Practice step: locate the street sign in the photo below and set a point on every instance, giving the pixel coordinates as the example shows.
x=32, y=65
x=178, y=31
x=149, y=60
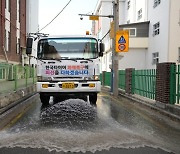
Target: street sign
x=93, y=17
x=122, y=41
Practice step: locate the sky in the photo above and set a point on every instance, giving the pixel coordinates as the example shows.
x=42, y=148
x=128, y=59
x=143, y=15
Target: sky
x=68, y=22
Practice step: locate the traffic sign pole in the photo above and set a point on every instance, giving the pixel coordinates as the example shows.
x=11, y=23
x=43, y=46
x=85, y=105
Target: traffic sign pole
x=115, y=59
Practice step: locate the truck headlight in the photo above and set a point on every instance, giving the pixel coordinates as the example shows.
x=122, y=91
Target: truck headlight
x=96, y=77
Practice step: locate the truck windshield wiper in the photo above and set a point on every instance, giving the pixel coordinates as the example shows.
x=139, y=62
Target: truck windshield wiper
x=67, y=58
x=52, y=59
x=84, y=59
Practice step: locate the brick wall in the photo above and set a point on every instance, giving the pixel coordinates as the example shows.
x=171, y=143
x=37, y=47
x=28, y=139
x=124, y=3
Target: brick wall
x=23, y=22
x=12, y=53
x=163, y=83
x=2, y=29
x=13, y=17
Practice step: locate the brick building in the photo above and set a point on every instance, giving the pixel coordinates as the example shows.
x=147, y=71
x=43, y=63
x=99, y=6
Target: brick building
x=12, y=30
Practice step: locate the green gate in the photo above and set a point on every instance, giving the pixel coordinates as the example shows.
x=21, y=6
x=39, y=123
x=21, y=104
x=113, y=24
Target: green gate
x=175, y=84
x=144, y=83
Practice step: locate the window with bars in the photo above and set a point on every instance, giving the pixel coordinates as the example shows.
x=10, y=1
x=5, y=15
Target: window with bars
x=156, y=3
x=128, y=4
x=155, y=58
x=8, y=5
x=128, y=22
x=132, y=31
x=139, y=14
x=7, y=41
x=156, y=29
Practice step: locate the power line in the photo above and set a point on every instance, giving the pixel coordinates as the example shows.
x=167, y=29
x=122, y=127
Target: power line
x=106, y=34
x=55, y=16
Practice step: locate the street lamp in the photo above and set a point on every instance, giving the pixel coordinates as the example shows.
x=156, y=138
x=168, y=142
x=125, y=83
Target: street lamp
x=95, y=17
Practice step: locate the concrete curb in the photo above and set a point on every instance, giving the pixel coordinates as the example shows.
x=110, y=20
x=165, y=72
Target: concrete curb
x=171, y=111
x=11, y=99
x=19, y=106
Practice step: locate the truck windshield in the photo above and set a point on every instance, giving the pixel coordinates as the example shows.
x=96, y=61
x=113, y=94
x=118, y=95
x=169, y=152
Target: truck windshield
x=67, y=48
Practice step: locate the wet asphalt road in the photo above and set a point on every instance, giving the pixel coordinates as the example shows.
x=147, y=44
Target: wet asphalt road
x=74, y=126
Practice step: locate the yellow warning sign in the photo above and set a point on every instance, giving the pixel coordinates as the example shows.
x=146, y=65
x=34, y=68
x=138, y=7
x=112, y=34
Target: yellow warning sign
x=122, y=41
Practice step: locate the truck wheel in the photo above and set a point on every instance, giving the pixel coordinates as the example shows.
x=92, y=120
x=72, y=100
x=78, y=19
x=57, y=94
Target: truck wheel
x=44, y=99
x=93, y=98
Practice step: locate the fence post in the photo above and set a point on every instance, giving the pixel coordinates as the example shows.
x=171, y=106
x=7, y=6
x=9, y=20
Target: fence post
x=133, y=81
x=33, y=73
x=163, y=82
x=129, y=81
x=173, y=84
x=26, y=75
x=103, y=78
x=15, y=77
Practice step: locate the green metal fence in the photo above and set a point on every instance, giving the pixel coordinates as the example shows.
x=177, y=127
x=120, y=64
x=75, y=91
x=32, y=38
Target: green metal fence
x=145, y=83
x=122, y=77
x=13, y=77
x=178, y=84
x=24, y=76
x=5, y=70
x=175, y=84
x=107, y=80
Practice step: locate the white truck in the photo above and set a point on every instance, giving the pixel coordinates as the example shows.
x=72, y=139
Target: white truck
x=68, y=67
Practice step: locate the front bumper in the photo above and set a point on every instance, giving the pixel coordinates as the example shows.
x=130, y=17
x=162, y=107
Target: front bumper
x=85, y=87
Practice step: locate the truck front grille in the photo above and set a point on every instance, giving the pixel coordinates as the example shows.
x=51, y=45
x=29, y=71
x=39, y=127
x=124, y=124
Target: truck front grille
x=66, y=78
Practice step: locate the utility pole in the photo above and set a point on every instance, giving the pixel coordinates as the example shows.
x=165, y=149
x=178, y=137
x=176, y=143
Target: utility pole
x=115, y=57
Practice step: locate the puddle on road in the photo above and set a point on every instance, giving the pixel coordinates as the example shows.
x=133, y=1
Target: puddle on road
x=72, y=125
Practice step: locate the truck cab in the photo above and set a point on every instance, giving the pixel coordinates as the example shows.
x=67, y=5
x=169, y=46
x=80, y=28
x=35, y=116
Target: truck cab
x=68, y=67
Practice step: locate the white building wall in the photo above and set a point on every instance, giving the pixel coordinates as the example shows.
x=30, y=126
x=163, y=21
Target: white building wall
x=32, y=15
x=32, y=23
x=140, y=5
x=167, y=43
x=131, y=14
x=106, y=10
x=134, y=58
x=158, y=43
x=104, y=7
x=174, y=32
x=122, y=12
x=135, y=54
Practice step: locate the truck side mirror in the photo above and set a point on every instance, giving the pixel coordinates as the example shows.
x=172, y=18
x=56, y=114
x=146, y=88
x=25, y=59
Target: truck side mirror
x=29, y=45
x=102, y=48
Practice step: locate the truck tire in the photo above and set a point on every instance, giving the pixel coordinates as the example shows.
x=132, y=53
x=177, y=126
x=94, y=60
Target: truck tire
x=93, y=98
x=44, y=99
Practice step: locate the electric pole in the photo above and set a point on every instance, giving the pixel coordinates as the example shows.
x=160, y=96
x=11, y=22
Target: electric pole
x=115, y=57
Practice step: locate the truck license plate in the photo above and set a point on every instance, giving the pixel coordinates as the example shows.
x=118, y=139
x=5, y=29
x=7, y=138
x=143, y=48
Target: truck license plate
x=68, y=85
